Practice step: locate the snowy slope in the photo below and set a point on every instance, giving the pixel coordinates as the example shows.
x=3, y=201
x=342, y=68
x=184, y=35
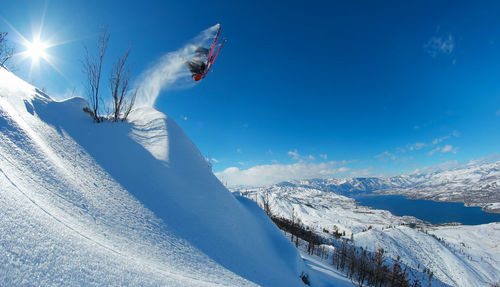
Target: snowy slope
x=465, y=255
x=121, y=204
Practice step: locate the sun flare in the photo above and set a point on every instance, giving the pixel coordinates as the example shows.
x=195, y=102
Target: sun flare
x=36, y=50
x=39, y=49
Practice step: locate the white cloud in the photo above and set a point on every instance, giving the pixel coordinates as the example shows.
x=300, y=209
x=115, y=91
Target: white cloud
x=433, y=151
x=263, y=175
x=449, y=148
x=295, y=154
x=323, y=156
x=400, y=150
x=405, y=159
x=215, y=160
x=416, y=146
x=438, y=140
x=367, y=172
x=485, y=159
x=344, y=162
x=449, y=165
x=440, y=45
x=441, y=167
x=420, y=145
x=445, y=149
x=454, y=133
x=385, y=156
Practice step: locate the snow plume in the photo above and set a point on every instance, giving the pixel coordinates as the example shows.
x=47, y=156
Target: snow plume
x=170, y=70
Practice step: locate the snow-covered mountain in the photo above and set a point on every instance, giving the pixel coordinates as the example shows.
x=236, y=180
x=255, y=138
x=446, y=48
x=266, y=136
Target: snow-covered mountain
x=475, y=184
x=122, y=204
x=457, y=255
x=350, y=186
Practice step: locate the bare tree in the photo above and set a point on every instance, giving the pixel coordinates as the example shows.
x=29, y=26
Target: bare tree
x=266, y=203
x=292, y=219
x=6, y=50
x=130, y=105
x=92, y=67
x=119, y=82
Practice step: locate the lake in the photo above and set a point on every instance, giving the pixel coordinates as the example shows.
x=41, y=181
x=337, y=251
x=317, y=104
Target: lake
x=432, y=211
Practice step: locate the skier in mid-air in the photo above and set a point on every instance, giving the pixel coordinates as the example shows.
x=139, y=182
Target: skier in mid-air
x=203, y=59
x=197, y=65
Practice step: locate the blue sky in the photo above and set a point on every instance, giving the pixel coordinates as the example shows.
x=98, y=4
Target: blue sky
x=317, y=88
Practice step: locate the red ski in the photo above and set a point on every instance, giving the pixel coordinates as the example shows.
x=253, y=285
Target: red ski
x=212, y=58
x=211, y=55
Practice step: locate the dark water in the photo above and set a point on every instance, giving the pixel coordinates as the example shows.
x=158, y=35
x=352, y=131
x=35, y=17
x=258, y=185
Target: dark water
x=432, y=211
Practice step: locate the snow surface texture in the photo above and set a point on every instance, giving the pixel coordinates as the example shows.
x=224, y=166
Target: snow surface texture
x=170, y=69
x=121, y=204
x=465, y=255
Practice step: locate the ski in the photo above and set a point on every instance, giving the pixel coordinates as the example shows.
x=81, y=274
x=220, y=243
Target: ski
x=214, y=44
x=211, y=60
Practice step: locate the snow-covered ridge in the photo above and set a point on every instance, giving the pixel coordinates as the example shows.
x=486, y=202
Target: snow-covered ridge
x=349, y=186
x=121, y=204
x=475, y=184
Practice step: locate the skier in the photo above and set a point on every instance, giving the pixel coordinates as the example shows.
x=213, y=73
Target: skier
x=198, y=65
x=203, y=59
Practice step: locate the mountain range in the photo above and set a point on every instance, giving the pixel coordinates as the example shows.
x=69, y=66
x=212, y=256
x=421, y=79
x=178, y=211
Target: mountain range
x=474, y=184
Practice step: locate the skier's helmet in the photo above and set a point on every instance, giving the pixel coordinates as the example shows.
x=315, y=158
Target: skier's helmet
x=197, y=77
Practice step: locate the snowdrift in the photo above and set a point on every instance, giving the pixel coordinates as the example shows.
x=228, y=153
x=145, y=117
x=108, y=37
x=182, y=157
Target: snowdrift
x=121, y=204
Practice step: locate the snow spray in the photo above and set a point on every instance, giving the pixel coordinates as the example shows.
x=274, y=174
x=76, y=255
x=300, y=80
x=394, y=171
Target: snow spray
x=169, y=71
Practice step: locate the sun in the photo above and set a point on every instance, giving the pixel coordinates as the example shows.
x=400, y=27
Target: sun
x=36, y=50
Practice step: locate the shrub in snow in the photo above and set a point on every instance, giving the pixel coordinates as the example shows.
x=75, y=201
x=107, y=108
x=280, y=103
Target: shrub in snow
x=119, y=80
